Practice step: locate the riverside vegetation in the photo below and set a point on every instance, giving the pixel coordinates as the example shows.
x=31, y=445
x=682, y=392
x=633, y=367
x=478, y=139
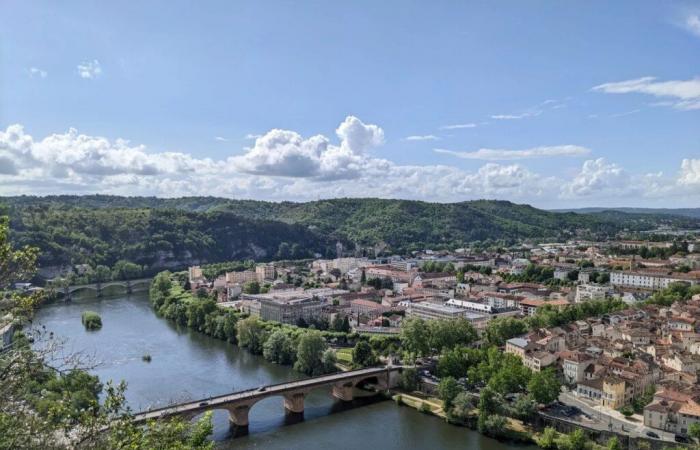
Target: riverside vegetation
x=50, y=401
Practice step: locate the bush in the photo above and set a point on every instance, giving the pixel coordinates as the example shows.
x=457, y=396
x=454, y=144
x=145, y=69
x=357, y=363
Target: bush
x=91, y=320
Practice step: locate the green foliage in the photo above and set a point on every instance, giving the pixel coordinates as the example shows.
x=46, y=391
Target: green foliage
x=251, y=287
x=694, y=431
x=499, y=330
x=279, y=348
x=310, y=352
x=363, y=355
x=91, y=320
x=127, y=238
x=101, y=230
x=544, y=386
x=675, y=292
x=462, y=406
x=409, y=379
x=639, y=402
x=448, y=389
x=548, y=439
x=614, y=444
x=329, y=360
x=415, y=336
x=251, y=334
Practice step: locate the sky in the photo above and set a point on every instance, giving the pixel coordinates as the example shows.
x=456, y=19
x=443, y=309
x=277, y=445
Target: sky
x=556, y=104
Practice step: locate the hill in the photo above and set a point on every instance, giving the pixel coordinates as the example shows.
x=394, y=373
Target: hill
x=683, y=212
x=160, y=232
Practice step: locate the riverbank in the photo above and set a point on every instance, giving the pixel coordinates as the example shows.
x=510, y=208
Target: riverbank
x=189, y=365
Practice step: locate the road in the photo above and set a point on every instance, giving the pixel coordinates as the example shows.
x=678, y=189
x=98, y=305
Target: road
x=612, y=420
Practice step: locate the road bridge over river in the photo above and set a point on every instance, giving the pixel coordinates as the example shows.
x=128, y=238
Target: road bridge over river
x=128, y=286
x=238, y=404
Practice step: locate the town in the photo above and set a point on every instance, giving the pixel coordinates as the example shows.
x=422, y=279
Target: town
x=641, y=358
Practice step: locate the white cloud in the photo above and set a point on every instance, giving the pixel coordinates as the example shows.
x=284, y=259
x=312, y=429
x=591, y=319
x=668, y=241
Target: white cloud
x=686, y=93
x=283, y=165
x=35, y=72
x=89, y=69
x=536, y=152
x=516, y=116
x=220, y=139
x=692, y=24
x=425, y=137
x=597, y=177
x=251, y=136
x=690, y=172
x=358, y=137
x=458, y=126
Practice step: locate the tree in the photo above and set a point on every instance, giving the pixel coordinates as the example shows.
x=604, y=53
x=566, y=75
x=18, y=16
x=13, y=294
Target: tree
x=448, y=389
x=525, y=407
x=614, y=444
x=126, y=270
x=363, y=277
x=499, y=330
x=493, y=425
x=328, y=360
x=251, y=287
x=575, y=440
x=694, y=431
x=251, y=334
x=450, y=333
x=309, y=353
x=627, y=411
x=409, y=379
x=462, y=406
x=415, y=336
x=91, y=320
x=544, y=386
x=363, y=355
x=46, y=408
x=548, y=439
x=279, y=348
x=336, y=273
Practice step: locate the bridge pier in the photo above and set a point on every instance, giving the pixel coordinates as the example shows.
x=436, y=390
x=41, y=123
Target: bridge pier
x=343, y=391
x=294, y=404
x=238, y=419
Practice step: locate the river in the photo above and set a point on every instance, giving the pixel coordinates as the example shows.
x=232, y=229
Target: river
x=190, y=365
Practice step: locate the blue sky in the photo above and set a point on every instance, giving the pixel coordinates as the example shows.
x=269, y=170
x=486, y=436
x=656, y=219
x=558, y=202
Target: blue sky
x=557, y=104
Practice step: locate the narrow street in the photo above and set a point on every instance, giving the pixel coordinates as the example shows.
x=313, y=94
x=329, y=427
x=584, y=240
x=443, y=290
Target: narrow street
x=612, y=420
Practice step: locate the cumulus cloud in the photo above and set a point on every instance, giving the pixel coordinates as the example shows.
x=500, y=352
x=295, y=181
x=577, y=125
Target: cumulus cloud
x=690, y=172
x=597, y=177
x=425, y=137
x=685, y=94
x=287, y=154
x=283, y=165
x=490, y=154
x=89, y=69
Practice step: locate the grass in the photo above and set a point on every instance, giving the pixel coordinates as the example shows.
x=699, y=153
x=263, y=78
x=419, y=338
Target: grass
x=344, y=355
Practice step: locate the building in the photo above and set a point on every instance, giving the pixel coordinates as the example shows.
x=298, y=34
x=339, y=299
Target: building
x=243, y=277
x=437, y=311
x=195, y=274
x=290, y=310
x=588, y=292
x=265, y=272
x=649, y=279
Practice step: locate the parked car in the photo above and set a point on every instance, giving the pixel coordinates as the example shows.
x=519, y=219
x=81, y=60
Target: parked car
x=681, y=439
x=651, y=434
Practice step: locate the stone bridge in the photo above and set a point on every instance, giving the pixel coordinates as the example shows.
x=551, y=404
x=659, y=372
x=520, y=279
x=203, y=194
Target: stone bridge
x=128, y=285
x=238, y=404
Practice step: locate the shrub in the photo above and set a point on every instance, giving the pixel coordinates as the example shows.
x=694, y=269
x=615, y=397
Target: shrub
x=91, y=320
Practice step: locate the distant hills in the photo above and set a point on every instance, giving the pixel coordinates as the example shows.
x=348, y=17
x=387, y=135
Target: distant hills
x=685, y=212
x=158, y=232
